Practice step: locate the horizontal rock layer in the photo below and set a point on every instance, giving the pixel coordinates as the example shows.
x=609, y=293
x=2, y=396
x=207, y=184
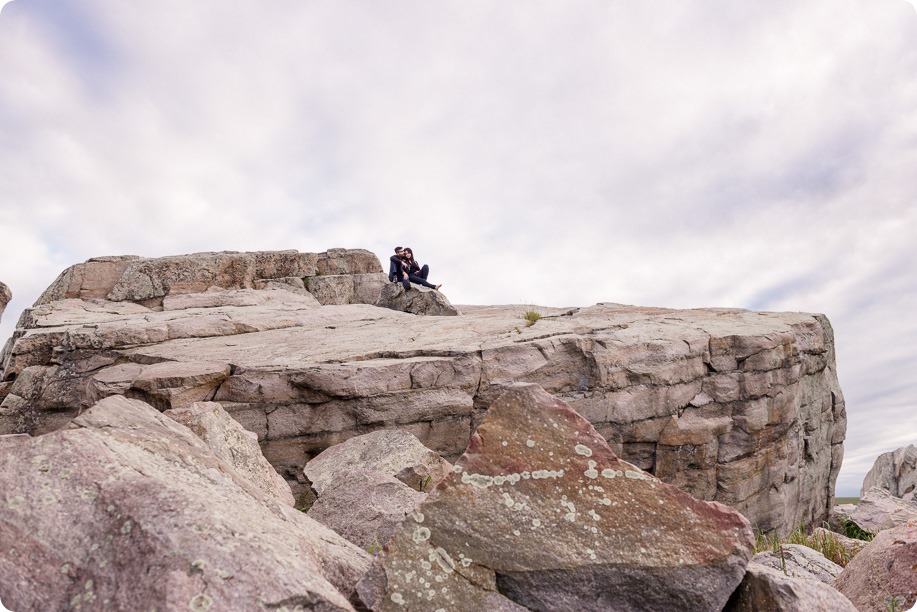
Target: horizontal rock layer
x=734, y=406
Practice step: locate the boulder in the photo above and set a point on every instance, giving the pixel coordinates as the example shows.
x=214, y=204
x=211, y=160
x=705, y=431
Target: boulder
x=539, y=511
x=5, y=296
x=126, y=508
x=767, y=588
x=733, y=406
x=234, y=445
x=416, y=300
x=877, y=510
x=895, y=472
x=347, y=288
x=391, y=452
x=798, y=561
x=365, y=507
x=883, y=571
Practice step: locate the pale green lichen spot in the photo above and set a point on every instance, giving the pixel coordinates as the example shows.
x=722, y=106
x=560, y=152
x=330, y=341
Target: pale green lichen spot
x=442, y=558
x=200, y=602
x=397, y=598
x=583, y=450
x=635, y=475
x=421, y=534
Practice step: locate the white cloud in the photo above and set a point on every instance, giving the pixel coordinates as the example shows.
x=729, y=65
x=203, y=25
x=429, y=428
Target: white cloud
x=678, y=154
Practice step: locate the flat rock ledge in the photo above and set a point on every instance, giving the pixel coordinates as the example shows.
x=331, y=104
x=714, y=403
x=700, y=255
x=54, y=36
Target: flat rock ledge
x=540, y=514
x=733, y=406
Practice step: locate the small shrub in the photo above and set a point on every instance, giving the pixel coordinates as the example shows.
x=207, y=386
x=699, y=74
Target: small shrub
x=852, y=530
x=531, y=317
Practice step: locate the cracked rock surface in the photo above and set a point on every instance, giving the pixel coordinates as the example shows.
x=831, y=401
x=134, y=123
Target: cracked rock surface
x=734, y=406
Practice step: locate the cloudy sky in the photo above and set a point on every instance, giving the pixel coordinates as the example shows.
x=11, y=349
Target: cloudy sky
x=684, y=154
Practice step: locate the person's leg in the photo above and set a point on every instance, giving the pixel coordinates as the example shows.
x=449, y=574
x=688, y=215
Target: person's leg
x=424, y=272
x=421, y=281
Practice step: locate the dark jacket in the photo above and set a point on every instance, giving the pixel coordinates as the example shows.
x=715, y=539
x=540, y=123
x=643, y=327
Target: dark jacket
x=396, y=265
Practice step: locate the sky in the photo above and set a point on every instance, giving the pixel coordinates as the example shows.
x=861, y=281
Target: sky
x=681, y=154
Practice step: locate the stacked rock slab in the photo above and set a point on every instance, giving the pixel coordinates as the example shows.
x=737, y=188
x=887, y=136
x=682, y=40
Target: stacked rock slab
x=540, y=513
x=733, y=406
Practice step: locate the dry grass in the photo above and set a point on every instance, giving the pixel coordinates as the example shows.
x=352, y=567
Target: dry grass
x=825, y=543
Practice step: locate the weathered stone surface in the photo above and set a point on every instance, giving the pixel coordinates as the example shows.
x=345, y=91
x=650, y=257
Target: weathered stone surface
x=5, y=296
x=342, y=289
x=877, y=510
x=365, y=507
x=416, y=300
x=767, y=588
x=126, y=508
x=234, y=445
x=393, y=452
x=749, y=402
x=895, y=472
x=540, y=510
x=798, y=561
x=883, y=570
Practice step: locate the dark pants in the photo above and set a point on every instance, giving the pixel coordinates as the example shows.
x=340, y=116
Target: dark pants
x=424, y=272
x=421, y=281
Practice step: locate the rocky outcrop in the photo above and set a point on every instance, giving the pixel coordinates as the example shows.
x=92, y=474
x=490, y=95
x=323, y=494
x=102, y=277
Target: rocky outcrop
x=767, y=588
x=147, y=281
x=5, y=296
x=734, y=406
x=393, y=452
x=896, y=472
x=365, y=507
x=126, y=508
x=877, y=510
x=539, y=511
x=883, y=576
x=234, y=445
x=416, y=300
x=369, y=483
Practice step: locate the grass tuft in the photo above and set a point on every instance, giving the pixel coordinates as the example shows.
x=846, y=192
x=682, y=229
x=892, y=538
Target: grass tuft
x=825, y=543
x=531, y=317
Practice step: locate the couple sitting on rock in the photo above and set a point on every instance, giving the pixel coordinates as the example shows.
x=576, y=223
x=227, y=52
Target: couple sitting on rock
x=404, y=268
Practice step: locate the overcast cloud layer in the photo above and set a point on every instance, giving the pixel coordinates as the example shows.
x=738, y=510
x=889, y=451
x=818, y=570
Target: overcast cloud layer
x=685, y=154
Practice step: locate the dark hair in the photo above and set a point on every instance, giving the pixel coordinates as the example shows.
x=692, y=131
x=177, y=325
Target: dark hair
x=397, y=249
x=408, y=249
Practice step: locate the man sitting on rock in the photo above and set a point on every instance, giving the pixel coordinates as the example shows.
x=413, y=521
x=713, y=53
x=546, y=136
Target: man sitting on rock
x=398, y=268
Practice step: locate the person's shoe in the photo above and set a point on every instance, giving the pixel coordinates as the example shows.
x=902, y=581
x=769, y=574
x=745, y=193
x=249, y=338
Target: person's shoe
x=436, y=288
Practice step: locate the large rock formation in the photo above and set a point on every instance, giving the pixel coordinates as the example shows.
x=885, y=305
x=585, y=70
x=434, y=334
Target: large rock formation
x=539, y=511
x=5, y=296
x=127, y=509
x=896, y=472
x=734, y=406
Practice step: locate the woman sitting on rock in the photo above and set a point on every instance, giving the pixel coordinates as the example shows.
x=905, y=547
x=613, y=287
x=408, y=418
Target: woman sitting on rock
x=415, y=273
